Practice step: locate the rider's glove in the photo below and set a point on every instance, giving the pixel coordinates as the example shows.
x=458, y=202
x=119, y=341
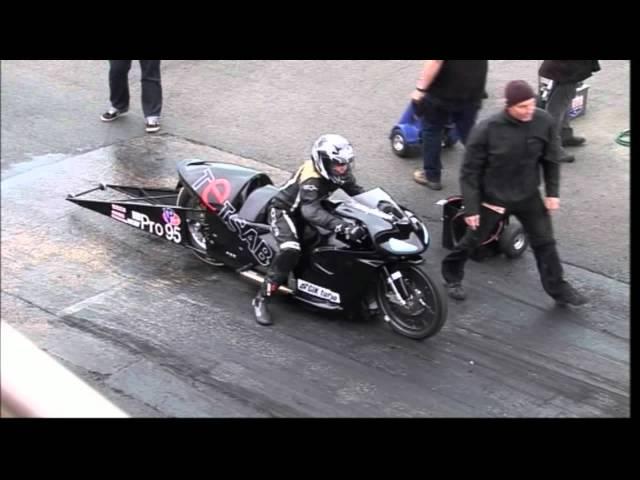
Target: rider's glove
x=351, y=232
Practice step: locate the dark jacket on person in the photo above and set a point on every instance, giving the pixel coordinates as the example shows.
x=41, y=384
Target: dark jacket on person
x=568, y=71
x=303, y=194
x=503, y=159
x=460, y=81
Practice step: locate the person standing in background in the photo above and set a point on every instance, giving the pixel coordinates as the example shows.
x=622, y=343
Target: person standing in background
x=446, y=91
x=566, y=75
x=151, y=92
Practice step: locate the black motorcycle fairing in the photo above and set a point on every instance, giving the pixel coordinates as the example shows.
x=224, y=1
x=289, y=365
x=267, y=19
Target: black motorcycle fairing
x=216, y=183
x=342, y=276
x=233, y=240
x=385, y=220
x=348, y=274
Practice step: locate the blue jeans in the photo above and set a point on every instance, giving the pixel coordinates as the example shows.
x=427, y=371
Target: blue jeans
x=436, y=116
x=149, y=79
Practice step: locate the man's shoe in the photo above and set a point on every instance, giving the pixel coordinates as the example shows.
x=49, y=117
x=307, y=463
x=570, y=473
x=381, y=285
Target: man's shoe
x=456, y=291
x=567, y=159
x=260, y=310
x=152, y=124
x=571, y=296
x=573, y=141
x=111, y=114
x=421, y=177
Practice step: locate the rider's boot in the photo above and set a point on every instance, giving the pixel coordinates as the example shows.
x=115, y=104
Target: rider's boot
x=260, y=302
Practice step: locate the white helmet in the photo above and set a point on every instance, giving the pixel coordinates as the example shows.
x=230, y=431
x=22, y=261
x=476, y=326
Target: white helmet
x=330, y=151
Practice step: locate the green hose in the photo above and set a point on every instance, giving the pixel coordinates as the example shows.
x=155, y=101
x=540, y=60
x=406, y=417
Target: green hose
x=624, y=138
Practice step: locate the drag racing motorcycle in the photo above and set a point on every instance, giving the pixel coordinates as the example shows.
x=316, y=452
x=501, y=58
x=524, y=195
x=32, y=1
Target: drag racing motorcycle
x=218, y=211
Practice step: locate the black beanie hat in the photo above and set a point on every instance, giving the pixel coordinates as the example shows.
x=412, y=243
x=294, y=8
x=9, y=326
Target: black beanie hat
x=518, y=91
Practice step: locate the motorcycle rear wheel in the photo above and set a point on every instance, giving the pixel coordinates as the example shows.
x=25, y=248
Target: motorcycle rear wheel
x=425, y=310
x=195, y=225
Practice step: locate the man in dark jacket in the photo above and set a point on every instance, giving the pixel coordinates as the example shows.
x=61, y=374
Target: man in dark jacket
x=566, y=75
x=447, y=91
x=500, y=176
x=299, y=200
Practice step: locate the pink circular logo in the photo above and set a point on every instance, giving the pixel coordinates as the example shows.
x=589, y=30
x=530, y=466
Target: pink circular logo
x=170, y=217
x=219, y=189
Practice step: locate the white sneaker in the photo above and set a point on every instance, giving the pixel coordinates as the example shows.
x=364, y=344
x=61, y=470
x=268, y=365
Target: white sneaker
x=111, y=114
x=152, y=124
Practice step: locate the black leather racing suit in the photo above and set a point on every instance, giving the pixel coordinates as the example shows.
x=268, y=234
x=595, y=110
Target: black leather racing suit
x=299, y=201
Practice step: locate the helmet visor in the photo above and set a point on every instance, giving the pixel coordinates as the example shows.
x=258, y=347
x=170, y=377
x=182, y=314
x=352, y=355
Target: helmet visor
x=341, y=168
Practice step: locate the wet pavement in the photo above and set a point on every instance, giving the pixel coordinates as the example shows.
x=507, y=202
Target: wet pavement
x=162, y=334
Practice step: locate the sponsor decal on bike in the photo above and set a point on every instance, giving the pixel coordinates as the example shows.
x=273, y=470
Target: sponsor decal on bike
x=118, y=213
x=212, y=189
x=258, y=248
x=171, y=217
x=317, y=291
x=170, y=231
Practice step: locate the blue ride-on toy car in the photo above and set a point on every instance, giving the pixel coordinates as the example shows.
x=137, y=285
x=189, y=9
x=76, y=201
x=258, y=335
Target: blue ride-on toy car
x=406, y=135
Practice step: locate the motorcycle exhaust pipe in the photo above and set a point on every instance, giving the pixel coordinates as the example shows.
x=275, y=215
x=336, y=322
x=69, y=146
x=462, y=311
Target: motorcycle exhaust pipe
x=256, y=277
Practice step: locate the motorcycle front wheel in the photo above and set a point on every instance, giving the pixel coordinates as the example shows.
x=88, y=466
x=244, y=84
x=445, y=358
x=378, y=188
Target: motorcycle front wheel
x=412, y=303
